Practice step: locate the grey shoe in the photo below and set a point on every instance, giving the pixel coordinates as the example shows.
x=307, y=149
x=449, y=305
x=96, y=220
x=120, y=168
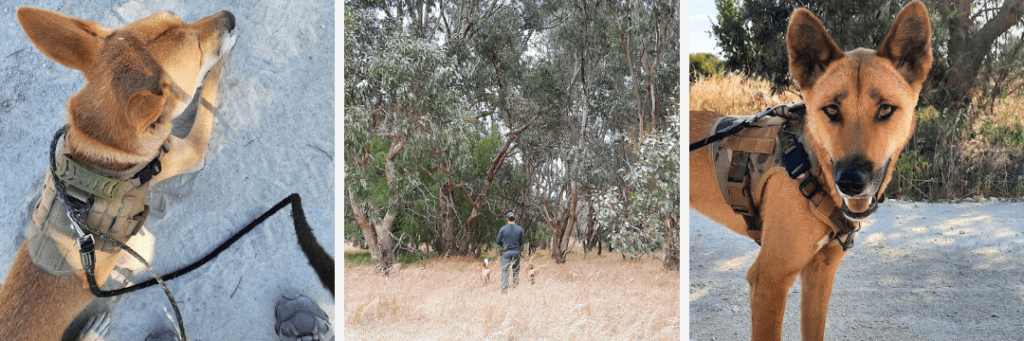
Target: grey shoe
x=300, y=319
x=163, y=335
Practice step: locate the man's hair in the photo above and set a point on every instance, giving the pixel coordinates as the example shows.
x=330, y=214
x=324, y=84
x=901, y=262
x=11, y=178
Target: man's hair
x=510, y=216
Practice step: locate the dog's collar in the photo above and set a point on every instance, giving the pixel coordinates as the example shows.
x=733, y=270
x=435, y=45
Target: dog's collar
x=92, y=181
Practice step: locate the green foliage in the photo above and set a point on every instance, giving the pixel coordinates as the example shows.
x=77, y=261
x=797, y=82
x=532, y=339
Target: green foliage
x=450, y=85
x=752, y=33
x=362, y=258
x=704, y=65
x=636, y=213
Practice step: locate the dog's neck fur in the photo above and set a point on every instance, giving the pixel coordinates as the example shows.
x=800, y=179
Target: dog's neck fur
x=100, y=154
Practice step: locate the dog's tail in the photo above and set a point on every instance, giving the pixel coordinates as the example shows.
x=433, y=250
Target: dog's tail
x=486, y=264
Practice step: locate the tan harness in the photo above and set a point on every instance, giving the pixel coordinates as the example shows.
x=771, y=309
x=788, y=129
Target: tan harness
x=745, y=160
x=117, y=206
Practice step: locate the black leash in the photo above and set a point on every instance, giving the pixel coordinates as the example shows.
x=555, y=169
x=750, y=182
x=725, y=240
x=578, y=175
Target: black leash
x=786, y=110
x=321, y=262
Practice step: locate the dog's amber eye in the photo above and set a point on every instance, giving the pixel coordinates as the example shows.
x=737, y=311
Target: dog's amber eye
x=832, y=111
x=885, y=111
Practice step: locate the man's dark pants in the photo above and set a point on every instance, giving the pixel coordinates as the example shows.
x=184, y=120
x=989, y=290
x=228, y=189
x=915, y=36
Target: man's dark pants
x=509, y=258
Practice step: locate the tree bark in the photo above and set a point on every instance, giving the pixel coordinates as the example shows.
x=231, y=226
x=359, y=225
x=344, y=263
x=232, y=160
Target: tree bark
x=447, y=220
x=671, y=244
x=378, y=238
x=562, y=223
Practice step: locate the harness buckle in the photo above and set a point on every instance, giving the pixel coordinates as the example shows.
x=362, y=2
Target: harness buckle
x=794, y=157
x=809, y=187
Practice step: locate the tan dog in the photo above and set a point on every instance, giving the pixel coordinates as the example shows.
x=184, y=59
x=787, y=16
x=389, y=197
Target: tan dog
x=138, y=78
x=485, y=271
x=532, y=272
x=859, y=115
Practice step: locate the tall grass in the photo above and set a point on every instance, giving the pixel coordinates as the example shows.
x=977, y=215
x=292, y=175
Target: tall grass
x=733, y=94
x=602, y=298
x=953, y=154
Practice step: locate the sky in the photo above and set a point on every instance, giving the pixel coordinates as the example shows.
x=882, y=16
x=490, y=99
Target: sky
x=701, y=14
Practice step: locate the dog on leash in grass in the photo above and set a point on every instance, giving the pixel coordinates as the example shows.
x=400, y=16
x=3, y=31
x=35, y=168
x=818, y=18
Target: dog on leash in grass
x=485, y=271
x=138, y=79
x=859, y=114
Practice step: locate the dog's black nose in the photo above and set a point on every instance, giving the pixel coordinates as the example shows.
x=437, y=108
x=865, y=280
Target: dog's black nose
x=852, y=181
x=229, y=20
x=852, y=174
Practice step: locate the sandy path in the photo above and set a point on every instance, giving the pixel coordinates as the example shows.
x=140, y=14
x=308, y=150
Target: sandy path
x=274, y=135
x=918, y=272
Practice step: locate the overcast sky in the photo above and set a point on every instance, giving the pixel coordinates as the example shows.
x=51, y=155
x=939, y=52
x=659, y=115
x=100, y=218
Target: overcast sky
x=701, y=14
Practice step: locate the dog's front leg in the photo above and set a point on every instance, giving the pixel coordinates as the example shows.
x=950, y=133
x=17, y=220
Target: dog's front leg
x=816, y=286
x=791, y=237
x=770, y=278
x=185, y=154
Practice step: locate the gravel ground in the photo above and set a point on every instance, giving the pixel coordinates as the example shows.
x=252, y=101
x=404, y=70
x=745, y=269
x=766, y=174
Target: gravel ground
x=919, y=271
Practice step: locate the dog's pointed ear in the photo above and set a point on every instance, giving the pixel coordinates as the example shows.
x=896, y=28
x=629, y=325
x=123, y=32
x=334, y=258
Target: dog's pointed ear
x=72, y=42
x=145, y=107
x=811, y=50
x=908, y=43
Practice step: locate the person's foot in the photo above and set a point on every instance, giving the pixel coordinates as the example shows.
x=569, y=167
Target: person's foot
x=96, y=329
x=300, y=319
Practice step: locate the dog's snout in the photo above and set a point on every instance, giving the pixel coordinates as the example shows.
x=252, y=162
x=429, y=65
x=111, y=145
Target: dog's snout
x=229, y=20
x=852, y=181
x=852, y=175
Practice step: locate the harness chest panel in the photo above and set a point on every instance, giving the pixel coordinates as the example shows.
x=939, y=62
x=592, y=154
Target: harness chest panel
x=118, y=207
x=745, y=160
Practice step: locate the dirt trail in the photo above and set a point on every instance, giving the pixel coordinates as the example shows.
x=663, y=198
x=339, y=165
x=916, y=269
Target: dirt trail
x=918, y=272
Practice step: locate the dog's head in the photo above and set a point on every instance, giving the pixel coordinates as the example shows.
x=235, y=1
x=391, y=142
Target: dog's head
x=138, y=77
x=860, y=104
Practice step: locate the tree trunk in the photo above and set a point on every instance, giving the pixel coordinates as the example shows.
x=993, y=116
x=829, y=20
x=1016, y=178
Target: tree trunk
x=447, y=220
x=671, y=244
x=590, y=236
x=378, y=238
x=563, y=230
x=968, y=45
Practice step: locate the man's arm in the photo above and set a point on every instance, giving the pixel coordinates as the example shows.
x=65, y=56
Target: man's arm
x=521, y=233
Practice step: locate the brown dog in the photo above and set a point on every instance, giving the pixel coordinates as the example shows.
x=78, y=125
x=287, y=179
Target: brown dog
x=485, y=272
x=859, y=115
x=138, y=79
x=532, y=272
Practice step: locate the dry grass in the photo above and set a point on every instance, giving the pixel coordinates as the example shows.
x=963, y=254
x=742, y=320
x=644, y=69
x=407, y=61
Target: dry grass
x=602, y=298
x=734, y=94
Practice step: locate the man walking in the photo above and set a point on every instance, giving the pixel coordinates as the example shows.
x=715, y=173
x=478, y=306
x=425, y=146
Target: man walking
x=510, y=237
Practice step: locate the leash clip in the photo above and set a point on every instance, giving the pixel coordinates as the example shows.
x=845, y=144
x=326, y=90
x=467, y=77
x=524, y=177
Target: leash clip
x=75, y=226
x=850, y=237
x=87, y=246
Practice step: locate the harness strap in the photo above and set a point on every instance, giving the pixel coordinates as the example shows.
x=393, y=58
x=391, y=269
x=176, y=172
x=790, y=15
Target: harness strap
x=763, y=143
x=78, y=176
